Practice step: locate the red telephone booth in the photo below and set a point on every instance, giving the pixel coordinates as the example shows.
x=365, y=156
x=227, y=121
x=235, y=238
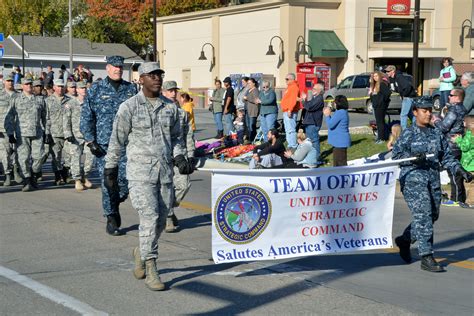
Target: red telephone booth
x=307, y=74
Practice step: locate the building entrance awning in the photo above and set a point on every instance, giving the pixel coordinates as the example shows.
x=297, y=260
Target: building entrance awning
x=326, y=44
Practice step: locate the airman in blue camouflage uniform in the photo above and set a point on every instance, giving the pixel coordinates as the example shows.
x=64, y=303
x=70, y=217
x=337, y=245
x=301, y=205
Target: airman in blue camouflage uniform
x=148, y=126
x=420, y=184
x=6, y=149
x=97, y=117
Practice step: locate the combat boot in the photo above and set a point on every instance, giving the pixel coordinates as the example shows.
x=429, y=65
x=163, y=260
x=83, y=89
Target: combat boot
x=87, y=183
x=79, y=186
x=27, y=187
x=139, y=270
x=153, y=280
x=17, y=176
x=66, y=176
x=34, y=180
x=170, y=225
x=57, y=178
x=404, y=247
x=39, y=176
x=8, y=180
x=428, y=263
x=111, y=228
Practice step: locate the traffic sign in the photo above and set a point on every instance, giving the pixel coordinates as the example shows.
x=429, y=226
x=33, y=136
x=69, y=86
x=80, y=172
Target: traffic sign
x=1, y=37
x=1, y=52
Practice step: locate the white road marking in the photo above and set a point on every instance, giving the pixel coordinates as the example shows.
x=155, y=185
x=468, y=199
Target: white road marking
x=50, y=293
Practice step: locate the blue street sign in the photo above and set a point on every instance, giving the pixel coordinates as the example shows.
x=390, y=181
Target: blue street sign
x=1, y=37
x=2, y=50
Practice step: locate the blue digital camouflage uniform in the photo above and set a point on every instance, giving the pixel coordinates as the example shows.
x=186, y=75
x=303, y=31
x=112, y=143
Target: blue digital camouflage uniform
x=97, y=117
x=453, y=124
x=420, y=182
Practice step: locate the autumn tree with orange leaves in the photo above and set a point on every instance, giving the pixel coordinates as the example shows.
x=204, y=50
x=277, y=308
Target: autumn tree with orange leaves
x=129, y=21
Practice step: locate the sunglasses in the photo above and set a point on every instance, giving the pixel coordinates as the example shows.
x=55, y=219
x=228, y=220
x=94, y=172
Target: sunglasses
x=265, y=87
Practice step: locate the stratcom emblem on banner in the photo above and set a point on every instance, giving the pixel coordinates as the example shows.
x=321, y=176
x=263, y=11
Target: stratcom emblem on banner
x=242, y=213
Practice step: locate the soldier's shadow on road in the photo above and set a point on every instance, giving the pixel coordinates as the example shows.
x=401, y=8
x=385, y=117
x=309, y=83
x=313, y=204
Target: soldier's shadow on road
x=323, y=269
x=195, y=221
x=129, y=228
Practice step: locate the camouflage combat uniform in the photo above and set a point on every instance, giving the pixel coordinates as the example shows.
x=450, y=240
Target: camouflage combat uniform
x=97, y=117
x=26, y=120
x=420, y=183
x=152, y=136
x=54, y=127
x=72, y=118
x=182, y=182
x=6, y=149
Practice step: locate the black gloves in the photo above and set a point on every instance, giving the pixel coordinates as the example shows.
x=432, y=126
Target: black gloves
x=465, y=174
x=420, y=159
x=11, y=139
x=184, y=166
x=48, y=139
x=96, y=150
x=111, y=180
x=70, y=139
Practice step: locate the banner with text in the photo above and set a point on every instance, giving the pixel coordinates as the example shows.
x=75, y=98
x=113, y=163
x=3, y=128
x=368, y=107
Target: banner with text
x=276, y=214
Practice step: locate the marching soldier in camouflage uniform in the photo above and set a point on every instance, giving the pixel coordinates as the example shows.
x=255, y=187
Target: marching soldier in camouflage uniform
x=54, y=129
x=71, y=92
x=181, y=182
x=37, y=91
x=73, y=135
x=37, y=87
x=6, y=149
x=97, y=117
x=148, y=126
x=420, y=184
x=24, y=124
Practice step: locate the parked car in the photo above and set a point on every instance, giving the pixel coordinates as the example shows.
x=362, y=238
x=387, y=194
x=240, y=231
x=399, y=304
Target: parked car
x=436, y=100
x=356, y=89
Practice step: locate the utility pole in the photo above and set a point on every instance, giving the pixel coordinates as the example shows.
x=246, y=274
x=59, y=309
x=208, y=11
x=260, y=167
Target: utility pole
x=416, y=40
x=155, y=57
x=23, y=52
x=70, y=37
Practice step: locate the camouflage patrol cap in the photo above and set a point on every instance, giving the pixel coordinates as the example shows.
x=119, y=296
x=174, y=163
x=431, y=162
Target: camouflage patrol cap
x=149, y=67
x=170, y=85
x=71, y=84
x=424, y=102
x=8, y=77
x=81, y=85
x=116, y=61
x=37, y=83
x=26, y=81
x=58, y=82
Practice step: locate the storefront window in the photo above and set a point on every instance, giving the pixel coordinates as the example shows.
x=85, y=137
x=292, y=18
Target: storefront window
x=395, y=30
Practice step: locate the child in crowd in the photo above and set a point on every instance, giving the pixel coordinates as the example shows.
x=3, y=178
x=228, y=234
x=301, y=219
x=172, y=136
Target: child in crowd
x=188, y=106
x=239, y=125
x=396, y=130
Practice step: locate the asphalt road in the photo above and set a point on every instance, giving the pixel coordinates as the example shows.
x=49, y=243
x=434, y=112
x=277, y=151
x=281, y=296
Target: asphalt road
x=56, y=259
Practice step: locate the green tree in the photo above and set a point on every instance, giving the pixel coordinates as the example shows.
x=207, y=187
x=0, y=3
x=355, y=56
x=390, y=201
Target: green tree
x=36, y=17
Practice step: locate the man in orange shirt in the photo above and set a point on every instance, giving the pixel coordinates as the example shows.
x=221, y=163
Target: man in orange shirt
x=290, y=105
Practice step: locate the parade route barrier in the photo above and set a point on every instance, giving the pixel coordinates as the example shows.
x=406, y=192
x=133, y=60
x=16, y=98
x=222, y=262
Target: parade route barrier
x=286, y=213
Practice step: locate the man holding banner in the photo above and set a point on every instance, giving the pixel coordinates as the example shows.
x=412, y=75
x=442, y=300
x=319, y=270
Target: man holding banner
x=420, y=184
